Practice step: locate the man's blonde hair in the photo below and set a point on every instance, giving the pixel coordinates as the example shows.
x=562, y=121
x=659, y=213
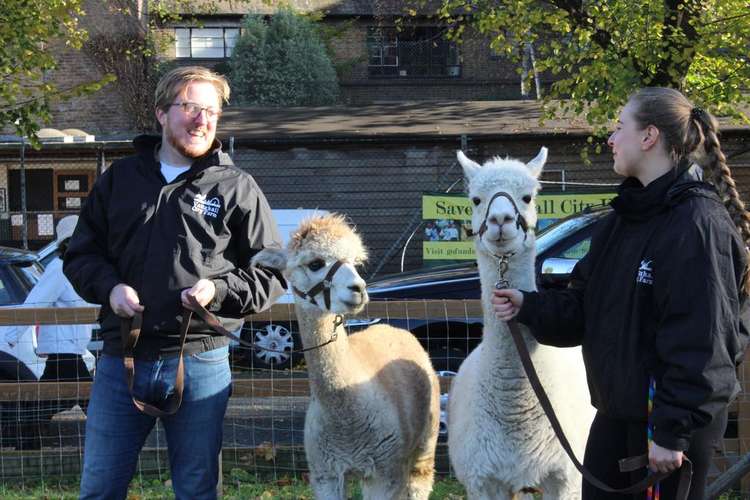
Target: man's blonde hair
x=171, y=84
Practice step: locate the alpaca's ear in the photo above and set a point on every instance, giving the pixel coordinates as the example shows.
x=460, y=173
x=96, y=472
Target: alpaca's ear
x=538, y=162
x=275, y=258
x=470, y=166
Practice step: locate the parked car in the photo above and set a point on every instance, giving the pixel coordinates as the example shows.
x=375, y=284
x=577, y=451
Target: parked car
x=448, y=340
x=19, y=272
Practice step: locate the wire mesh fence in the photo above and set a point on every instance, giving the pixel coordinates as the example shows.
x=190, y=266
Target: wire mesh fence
x=264, y=423
x=378, y=185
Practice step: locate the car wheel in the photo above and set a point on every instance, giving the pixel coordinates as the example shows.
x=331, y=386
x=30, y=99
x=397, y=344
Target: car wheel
x=275, y=345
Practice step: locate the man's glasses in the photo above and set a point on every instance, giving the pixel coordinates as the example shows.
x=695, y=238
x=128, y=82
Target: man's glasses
x=193, y=110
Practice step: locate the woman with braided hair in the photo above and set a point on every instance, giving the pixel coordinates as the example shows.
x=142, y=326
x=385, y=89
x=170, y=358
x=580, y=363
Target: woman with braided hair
x=659, y=303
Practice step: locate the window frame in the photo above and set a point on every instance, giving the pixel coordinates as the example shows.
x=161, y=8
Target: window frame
x=437, y=60
x=190, y=45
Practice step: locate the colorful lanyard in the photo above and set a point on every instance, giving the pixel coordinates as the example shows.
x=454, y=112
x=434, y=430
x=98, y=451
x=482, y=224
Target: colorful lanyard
x=652, y=493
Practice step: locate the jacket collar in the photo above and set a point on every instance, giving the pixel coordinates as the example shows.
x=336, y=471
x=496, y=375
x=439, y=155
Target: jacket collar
x=147, y=145
x=636, y=202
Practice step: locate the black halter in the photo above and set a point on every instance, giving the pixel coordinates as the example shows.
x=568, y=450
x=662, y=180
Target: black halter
x=324, y=286
x=520, y=220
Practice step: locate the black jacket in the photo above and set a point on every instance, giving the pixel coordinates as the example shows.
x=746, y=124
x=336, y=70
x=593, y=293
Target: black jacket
x=161, y=238
x=657, y=295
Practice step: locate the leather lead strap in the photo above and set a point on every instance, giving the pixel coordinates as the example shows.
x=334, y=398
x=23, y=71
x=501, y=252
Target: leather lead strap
x=130, y=330
x=213, y=322
x=626, y=464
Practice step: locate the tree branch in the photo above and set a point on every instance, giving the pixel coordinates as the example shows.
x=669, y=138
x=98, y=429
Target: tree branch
x=579, y=18
x=677, y=18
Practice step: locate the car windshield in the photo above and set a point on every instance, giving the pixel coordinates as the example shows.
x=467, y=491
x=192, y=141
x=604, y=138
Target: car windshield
x=16, y=280
x=559, y=231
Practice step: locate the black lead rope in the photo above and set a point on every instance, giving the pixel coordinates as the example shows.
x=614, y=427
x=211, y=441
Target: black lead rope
x=213, y=322
x=629, y=464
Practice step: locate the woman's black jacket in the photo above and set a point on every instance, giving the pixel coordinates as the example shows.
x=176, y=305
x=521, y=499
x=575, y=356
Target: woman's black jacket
x=657, y=295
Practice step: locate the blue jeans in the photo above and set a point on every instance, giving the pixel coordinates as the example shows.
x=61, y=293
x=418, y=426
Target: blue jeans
x=116, y=430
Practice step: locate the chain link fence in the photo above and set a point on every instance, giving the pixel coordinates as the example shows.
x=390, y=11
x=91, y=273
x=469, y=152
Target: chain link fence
x=377, y=184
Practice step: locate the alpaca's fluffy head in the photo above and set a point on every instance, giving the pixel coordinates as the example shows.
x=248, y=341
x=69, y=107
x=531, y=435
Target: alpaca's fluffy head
x=315, y=246
x=519, y=180
x=327, y=236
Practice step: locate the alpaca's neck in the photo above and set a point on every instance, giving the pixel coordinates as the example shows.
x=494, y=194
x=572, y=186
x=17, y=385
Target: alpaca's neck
x=520, y=275
x=331, y=369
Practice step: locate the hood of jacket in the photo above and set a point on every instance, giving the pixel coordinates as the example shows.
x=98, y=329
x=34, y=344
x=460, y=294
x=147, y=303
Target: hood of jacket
x=636, y=202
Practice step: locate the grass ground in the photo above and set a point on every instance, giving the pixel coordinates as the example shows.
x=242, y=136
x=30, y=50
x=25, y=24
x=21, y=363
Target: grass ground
x=238, y=484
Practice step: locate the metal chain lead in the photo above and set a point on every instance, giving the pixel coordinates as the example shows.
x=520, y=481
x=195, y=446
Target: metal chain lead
x=502, y=268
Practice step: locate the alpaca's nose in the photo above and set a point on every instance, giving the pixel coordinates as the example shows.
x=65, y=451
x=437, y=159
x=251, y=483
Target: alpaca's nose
x=357, y=287
x=500, y=220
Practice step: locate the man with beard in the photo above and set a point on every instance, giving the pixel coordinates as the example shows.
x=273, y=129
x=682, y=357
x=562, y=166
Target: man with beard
x=176, y=219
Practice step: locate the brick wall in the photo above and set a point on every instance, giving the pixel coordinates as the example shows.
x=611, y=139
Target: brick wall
x=484, y=76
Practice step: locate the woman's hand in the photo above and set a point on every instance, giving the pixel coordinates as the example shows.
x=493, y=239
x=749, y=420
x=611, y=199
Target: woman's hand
x=663, y=460
x=506, y=303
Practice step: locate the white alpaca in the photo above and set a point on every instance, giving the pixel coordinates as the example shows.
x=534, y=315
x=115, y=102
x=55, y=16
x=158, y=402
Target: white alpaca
x=500, y=442
x=374, y=408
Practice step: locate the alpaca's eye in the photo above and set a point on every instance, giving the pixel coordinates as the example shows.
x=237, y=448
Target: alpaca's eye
x=476, y=201
x=527, y=199
x=316, y=265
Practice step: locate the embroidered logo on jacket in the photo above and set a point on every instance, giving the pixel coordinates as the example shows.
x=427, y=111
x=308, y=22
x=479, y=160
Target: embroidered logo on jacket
x=645, y=273
x=209, y=208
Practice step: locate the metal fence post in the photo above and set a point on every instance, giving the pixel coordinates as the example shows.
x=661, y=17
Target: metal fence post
x=22, y=175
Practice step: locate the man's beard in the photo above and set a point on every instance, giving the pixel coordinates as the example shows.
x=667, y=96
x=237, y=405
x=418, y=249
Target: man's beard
x=193, y=152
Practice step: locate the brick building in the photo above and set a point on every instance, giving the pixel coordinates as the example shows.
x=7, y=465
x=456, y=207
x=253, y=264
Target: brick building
x=415, y=62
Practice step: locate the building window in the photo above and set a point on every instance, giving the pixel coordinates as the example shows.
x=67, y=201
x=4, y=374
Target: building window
x=205, y=43
x=416, y=51
x=39, y=189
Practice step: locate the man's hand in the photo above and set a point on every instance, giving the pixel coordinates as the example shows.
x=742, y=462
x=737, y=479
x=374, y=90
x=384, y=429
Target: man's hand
x=506, y=303
x=663, y=460
x=124, y=301
x=203, y=291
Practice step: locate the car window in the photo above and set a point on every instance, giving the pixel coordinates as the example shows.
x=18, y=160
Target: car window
x=19, y=279
x=5, y=294
x=577, y=251
x=558, y=232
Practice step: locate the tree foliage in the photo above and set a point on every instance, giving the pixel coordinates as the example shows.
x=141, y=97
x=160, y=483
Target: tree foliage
x=599, y=52
x=27, y=28
x=282, y=61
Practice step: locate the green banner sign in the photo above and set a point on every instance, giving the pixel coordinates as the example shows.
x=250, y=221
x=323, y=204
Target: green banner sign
x=447, y=217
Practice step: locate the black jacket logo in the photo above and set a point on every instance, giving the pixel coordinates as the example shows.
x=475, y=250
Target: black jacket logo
x=645, y=273
x=209, y=208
